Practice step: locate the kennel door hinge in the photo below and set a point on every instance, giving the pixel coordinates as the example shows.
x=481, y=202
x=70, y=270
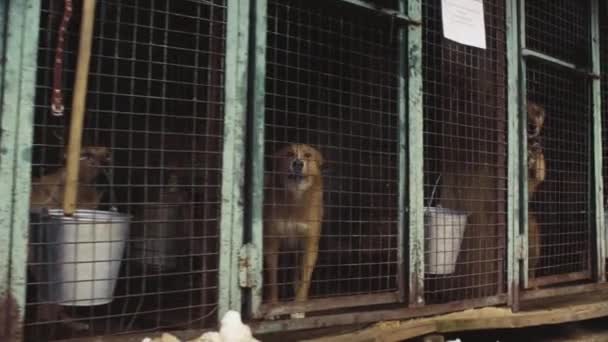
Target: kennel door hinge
x=248, y=264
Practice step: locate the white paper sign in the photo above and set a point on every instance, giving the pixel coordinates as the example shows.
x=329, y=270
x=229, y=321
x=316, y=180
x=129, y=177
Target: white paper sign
x=463, y=22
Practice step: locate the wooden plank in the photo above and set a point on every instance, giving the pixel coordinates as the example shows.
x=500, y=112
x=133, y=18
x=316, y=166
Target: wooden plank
x=479, y=319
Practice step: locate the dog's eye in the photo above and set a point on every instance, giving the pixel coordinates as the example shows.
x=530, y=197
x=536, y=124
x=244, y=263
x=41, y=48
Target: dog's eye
x=307, y=155
x=290, y=154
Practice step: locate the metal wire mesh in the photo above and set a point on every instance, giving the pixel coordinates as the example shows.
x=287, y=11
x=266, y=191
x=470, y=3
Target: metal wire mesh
x=155, y=100
x=559, y=28
x=465, y=159
x=561, y=204
x=332, y=82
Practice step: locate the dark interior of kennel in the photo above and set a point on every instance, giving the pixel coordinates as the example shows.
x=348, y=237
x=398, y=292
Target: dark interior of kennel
x=465, y=150
x=332, y=82
x=156, y=99
x=562, y=29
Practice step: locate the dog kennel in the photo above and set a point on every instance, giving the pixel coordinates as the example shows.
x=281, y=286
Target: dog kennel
x=441, y=191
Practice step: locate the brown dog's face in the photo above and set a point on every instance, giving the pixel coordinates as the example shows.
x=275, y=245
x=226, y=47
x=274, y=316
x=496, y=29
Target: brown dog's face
x=297, y=165
x=92, y=159
x=536, y=119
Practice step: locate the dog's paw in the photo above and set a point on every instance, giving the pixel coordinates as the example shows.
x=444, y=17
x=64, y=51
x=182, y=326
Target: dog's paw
x=298, y=315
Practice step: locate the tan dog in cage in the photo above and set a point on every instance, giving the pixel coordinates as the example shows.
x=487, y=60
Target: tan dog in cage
x=293, y=212
x=47, y=193
x=537, y=170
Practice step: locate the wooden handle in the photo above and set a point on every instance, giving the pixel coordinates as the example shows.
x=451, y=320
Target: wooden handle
x=78, y=106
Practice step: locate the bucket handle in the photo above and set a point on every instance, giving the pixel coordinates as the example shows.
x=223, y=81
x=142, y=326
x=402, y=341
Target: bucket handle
x=434, y=189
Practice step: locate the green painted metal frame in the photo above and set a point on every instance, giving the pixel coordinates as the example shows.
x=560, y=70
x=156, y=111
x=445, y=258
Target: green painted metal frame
x=258, y=108
x=414, y=137
x=233, y=164
x=514, y=202
x=20, y=48
x=595, y=198
x=597, y=153
x=522, y=240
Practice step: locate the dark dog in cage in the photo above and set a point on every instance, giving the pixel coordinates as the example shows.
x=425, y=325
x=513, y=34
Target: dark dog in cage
x=47, y=193
x=537, y=171
x=293, y=214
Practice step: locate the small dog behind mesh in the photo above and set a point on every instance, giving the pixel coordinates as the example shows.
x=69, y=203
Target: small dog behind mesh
x=293, y=212
x=47, y=193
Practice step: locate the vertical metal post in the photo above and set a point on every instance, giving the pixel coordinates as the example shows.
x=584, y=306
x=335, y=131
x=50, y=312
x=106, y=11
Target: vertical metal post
x=513, y=194
x=257, y=82
x=597, y=190
x=19, y=52
x=522, y=246
x=402, y=150
x=233, y=162
x=411, y=81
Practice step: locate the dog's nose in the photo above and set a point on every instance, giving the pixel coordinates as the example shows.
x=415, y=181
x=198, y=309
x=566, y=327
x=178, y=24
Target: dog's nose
x=297, y=165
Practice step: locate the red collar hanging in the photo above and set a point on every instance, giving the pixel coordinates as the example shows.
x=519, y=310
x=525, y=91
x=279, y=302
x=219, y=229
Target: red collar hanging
x=57, y=107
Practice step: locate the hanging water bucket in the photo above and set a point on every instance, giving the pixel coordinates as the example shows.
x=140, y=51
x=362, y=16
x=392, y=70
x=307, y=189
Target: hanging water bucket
x=444, y=232
x=78, y=257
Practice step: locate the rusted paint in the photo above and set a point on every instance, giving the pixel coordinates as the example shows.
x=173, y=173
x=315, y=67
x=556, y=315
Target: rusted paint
x=560, y=278
x=269, y=310
x=370, y=316
x=11, y=325
x=563, y=291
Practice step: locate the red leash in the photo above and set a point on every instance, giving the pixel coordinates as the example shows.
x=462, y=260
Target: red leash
x=57, y=107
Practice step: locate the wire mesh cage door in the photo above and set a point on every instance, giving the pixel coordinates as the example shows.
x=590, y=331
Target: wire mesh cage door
x=153, y=144
x=560, y=96
x=465, y=160
x=329, y=155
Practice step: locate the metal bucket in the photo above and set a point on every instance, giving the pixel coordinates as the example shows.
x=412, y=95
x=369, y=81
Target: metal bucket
x=78, y=257
x=444, y=232
x=156, y=245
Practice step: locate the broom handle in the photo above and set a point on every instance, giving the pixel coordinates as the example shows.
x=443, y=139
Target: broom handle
x=78, y=106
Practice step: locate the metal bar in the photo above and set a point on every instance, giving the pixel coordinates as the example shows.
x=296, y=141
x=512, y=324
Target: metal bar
x=513, y=198
x=560, y=291
x=20, y=52
x=231, y=232
x=415, y=183
x=559, y=278
x=257, y=101
x=268, y=310
x=398, y=15
x=402, y=162
x=597, y=160
x=522, y=246
x=370, y=316
x=528, y=53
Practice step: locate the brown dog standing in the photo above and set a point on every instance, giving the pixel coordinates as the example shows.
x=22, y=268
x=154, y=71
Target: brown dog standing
x=47, y=193
x=537, y=170
x=293, y=213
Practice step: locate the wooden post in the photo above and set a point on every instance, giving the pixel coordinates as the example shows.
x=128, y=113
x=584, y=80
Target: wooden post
x=78, y=106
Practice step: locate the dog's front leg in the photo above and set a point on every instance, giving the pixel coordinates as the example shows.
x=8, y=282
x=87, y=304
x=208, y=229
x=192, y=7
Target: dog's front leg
x=311, y=252
x=271, y=259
